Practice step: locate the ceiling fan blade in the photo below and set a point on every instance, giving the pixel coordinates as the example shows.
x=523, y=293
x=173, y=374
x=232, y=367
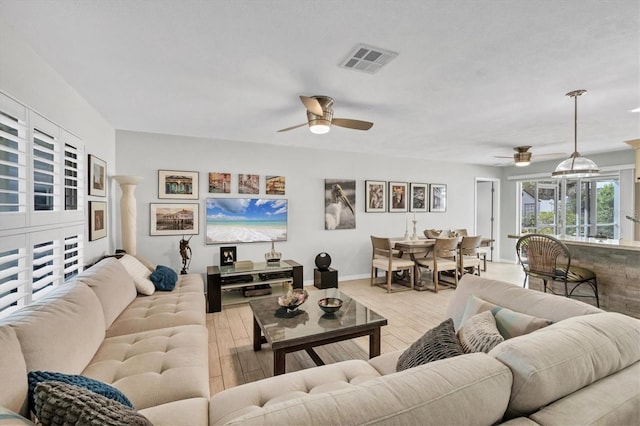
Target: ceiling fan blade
x=293, y=127
x=510, y=157
x=352, y=124
x=312, y=104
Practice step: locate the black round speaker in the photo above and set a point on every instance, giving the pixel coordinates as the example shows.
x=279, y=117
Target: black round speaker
x=323, y=260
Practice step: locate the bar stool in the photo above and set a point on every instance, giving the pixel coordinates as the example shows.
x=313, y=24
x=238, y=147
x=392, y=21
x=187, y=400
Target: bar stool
x=548, y=259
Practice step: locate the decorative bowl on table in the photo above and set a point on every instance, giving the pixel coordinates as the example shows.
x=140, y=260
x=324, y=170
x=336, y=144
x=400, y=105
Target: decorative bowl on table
x=293, y=299
x=330, y=305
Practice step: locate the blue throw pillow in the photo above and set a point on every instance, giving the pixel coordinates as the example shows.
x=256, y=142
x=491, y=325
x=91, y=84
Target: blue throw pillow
x=164, y=278
x=36, y=377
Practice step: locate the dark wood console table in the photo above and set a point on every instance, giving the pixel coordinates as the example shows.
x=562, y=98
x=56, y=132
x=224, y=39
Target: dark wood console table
x=219, y=278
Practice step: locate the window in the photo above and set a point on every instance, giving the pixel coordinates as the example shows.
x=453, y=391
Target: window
x=589, y=207
x=42, y=218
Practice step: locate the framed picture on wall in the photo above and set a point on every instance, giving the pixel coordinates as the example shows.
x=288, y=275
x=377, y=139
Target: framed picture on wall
x=419, y=193
x=97, y=220
x=97, y=176
x=438, y=197
x=248, y=184
x=219, y=183
x=339, y=199
x=397, y=197
x=274, y=185
x=375, y=196
x=173, y=219
x=177, y=184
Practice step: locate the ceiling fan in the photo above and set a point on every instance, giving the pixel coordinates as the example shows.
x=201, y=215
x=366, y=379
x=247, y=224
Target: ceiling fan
x=320, y=116
x=522, y=155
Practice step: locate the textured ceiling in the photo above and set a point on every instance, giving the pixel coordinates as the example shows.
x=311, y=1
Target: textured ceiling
x=472, y=80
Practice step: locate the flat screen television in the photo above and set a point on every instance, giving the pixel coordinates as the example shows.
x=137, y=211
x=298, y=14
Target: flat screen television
x=246, y=220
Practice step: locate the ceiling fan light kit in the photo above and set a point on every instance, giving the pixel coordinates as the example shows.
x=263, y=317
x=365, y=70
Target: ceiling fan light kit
x=320, y=116
x=522, y=156
x=576, y=166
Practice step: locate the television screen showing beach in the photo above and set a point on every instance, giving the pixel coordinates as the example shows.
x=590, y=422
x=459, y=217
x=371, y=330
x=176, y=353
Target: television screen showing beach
x=246, y=220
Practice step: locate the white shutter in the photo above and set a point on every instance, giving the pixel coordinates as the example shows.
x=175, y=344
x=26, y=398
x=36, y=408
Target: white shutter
x=73, y=259
x=45, y=273
x=13, y=163
x=44, y=171
x=15, y=288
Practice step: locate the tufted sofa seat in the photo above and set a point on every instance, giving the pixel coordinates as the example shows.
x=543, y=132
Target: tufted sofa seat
x=152, y=348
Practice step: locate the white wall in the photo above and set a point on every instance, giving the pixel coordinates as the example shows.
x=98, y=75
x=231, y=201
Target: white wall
x=305, y=170
x=623, y=158
x=25, y=76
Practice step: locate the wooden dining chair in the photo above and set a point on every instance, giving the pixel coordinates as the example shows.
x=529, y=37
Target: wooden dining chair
x=443, y=257
x=470, y=254
x=382, y=258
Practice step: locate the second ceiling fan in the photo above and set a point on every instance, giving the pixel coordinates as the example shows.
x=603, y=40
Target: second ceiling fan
x=522, y=156
x=320, y=116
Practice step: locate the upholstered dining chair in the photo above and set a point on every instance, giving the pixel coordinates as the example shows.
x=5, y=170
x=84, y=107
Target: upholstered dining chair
x=547, y=258
x=470, y=254
x=383, y=258
x=443, y=257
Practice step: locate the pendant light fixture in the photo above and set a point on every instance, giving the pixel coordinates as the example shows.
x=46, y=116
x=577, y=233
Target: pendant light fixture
x=576, y=166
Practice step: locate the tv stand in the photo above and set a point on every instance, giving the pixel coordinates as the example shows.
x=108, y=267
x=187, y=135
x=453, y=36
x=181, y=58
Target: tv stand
x=226, y=277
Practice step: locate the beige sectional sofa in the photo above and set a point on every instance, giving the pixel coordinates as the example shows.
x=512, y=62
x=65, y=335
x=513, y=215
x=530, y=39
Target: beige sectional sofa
x=152, y=348
x=583, y=369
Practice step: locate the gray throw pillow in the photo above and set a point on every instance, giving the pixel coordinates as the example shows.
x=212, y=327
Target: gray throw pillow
x=480, y=333
x=58, y=403
x=438, y=343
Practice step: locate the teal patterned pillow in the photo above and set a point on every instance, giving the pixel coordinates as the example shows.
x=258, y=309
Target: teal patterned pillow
x=164, y=278
x=36, y=377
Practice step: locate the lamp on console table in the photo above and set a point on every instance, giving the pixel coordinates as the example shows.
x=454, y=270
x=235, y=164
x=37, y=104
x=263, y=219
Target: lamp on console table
x=128, y=211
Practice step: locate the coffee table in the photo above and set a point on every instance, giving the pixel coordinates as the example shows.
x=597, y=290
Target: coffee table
x=312, y=327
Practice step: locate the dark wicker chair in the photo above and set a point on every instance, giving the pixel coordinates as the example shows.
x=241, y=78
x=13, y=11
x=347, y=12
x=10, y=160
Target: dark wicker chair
x=548, y=259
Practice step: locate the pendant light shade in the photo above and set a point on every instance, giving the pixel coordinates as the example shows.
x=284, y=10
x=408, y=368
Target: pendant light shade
x=576, y=166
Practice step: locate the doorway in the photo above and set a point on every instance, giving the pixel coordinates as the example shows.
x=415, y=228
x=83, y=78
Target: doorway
x=487, y=211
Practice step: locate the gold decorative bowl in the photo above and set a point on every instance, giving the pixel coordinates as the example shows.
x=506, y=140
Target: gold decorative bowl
x=330, y=305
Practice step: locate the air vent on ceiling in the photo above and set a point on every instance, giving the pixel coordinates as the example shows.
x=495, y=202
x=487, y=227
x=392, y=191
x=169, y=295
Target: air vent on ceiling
x=368, y=58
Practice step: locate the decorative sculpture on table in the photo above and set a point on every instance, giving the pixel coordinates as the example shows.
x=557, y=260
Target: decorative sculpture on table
x=185, y=253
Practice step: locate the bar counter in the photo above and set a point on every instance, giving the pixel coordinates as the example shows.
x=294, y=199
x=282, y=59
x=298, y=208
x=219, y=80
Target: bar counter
x=617, y=267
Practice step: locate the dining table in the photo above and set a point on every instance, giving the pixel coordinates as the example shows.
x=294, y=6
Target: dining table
x=422, y=247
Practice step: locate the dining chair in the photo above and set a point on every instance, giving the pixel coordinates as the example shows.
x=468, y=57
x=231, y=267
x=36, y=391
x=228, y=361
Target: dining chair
x=469, y=254
x=462, y=232
x=484, y=252
x=547, y=258
x=383, y=258
x=443, y=257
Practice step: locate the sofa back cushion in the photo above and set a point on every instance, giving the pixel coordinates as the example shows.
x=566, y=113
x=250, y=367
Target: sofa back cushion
x=557, y=360
x=432, y=393
x=62, y=331
x=112, y=284
x=13, y=372
x=516, y=298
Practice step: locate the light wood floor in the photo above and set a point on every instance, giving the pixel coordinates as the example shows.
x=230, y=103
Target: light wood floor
x=410, y=314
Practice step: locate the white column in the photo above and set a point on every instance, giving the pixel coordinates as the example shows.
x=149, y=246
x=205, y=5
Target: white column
x=128, y=217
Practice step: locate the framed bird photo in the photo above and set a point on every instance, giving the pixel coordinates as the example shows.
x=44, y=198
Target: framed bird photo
x=339, y=202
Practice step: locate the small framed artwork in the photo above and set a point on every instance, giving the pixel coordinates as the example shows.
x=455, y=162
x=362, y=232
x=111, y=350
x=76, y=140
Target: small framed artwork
x=228, y=255
x=97, y=176
x=419, y=197
x=177, y=184
x=275, y=185
x=97, y=220
x=375, y=196
x=397, y=196
x=220, y=183
x=173, y=219
x=438, y=197
x=248, y=184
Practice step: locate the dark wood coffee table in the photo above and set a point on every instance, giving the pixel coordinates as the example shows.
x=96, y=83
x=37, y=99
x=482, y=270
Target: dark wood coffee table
x=312, y=327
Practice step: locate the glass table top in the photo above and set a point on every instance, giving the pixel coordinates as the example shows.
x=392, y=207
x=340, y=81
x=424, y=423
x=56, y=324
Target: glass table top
x=312, y=321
